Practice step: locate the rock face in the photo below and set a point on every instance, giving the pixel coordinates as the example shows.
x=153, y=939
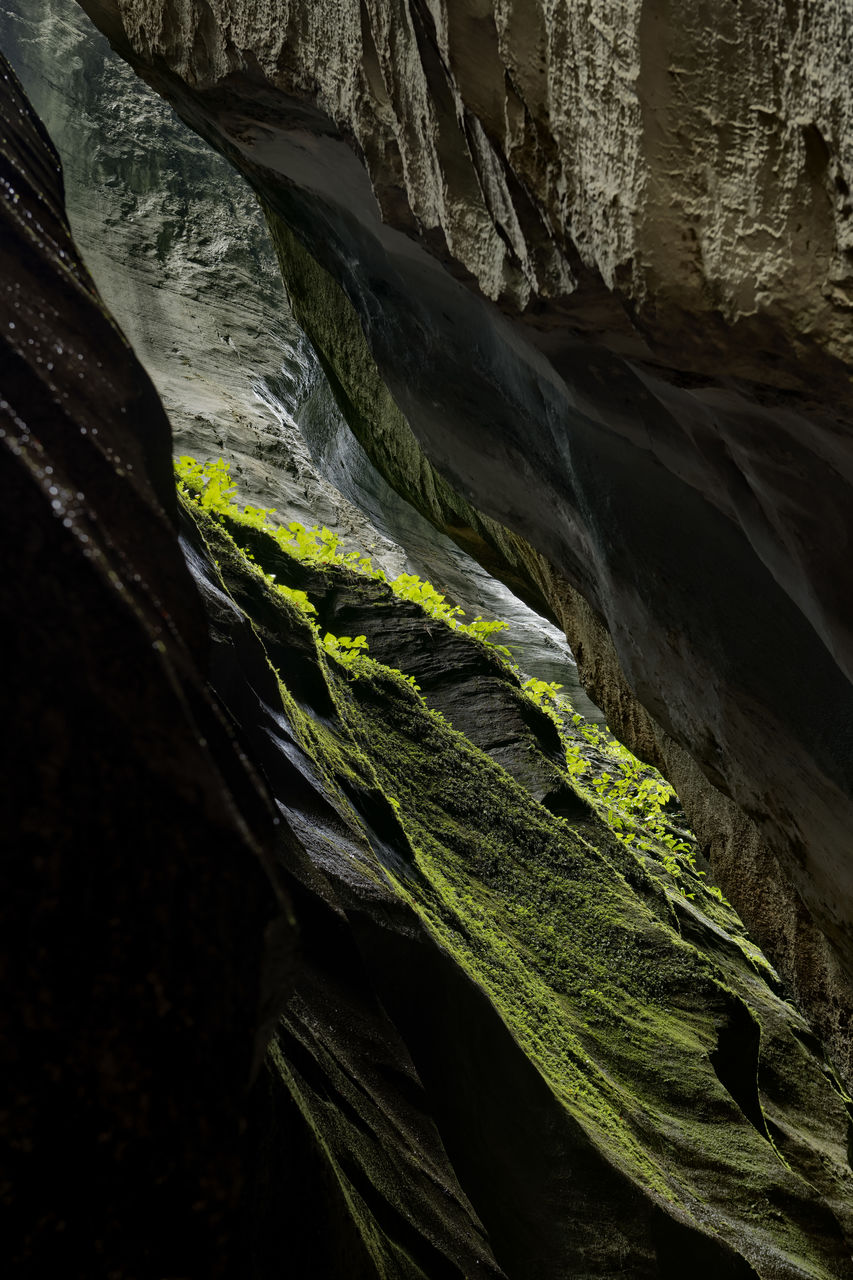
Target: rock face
x=302, y=979
x=138, y=881
x=515, y=1045
x=182, y=257
x=603, y=267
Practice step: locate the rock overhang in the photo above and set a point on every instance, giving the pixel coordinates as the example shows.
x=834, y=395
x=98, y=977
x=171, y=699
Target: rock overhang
x=676, y=448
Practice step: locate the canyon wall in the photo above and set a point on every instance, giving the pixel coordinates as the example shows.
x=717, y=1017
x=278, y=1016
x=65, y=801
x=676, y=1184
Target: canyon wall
x=139, y=891
x=320, y=962
x=602, y=265
x=178, y=245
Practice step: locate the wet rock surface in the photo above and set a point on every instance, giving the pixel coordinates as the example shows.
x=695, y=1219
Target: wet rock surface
x=502, y=1044
x=555, y=298
x=462, y=1080
x=633, y=1123
x=182, y=256
x=137, y=880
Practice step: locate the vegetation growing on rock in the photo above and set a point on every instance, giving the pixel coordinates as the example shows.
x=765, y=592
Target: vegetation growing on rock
x=632, y=797
x=657, y=1027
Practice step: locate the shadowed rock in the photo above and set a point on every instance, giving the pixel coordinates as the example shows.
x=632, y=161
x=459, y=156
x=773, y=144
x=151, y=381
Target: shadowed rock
x=599, y=1089
x=137, y=882
x=494, y=1051
x=604, y=275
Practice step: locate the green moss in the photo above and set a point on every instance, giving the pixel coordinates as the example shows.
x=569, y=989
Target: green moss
x=618, y=1012
x=388, y=1259
x=536, y=915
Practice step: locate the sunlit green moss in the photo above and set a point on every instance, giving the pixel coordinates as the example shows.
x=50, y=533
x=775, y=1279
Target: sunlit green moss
x=568, y=929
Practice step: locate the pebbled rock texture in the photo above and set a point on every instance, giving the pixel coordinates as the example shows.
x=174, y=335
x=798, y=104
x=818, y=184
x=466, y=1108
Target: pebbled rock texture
x=602, y=262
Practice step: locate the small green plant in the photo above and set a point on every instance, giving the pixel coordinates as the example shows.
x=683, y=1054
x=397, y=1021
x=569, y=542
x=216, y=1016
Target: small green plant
x=631, y=796
x=299, y=598
x=410, y=587
x=409, y=680
x=347, y=650
x=546, y=697
x=484, y=629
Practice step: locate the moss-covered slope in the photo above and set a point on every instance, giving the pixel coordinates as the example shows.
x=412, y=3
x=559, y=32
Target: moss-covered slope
x=660, y=445
x=744, y=861
x=518, y=1045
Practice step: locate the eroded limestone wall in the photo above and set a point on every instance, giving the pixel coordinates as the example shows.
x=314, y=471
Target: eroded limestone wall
x=600, y=260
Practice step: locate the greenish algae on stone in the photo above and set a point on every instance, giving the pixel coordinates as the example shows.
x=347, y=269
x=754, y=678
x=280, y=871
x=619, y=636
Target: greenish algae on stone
x=329, y=320
x=744, y=863
x=682, y=1080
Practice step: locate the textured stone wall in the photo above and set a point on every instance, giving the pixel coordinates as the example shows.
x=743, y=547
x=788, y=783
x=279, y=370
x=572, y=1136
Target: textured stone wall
x=178, y=245
x=694, y=160
x=600, y=259
x=504, y=1043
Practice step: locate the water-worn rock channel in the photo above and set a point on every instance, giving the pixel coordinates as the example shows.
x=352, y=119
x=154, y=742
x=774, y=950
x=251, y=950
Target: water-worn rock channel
x=335, y=946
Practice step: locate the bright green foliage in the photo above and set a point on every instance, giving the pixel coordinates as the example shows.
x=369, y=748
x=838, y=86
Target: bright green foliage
x=633, y=798
x=298, y=598
x=207, y=483
x=546, y=696
x=210, y=485
x=350, y=652
x=320, y=546
x=347, y=650
x=409, y=587
x=484, y=629
x=409, y=680
x=629, y=795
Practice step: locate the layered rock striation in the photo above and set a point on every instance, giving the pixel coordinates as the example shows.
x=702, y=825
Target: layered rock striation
x=302, y=978
x=182, y=257
x=602, y=264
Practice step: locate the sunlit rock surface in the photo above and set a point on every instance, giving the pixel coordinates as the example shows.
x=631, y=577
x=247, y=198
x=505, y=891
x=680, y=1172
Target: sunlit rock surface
x=602, y=262
x=182, y=256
